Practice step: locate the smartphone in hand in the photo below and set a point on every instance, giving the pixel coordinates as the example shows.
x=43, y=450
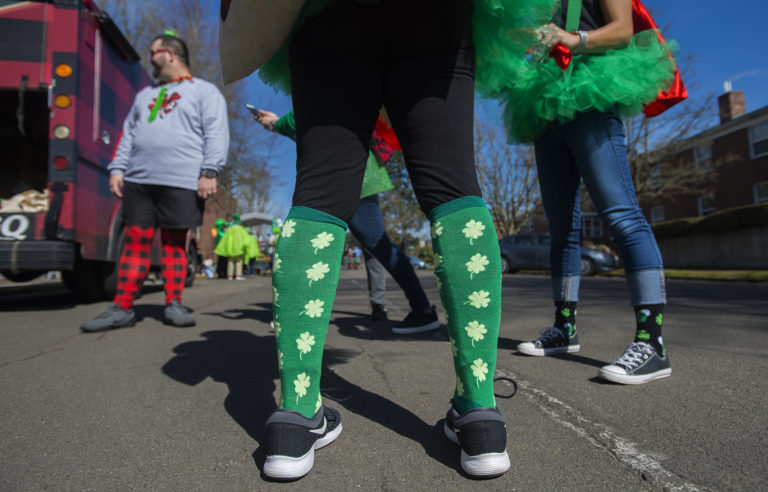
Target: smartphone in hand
x=252, y=109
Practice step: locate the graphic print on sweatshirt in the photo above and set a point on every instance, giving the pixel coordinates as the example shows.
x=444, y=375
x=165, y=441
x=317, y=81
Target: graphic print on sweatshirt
x=169, y=103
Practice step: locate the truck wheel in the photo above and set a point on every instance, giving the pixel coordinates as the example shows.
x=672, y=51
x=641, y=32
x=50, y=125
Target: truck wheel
x=110, y=272
x=192, y=264
x=22, y=276
x=86, y=280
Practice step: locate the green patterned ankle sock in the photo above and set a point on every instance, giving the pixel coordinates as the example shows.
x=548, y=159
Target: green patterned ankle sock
x=565, y=317
x=648, y=329
x=468, y=269
x=304, y=277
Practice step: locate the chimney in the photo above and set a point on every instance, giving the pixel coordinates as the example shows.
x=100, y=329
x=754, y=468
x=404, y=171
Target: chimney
x=732, y=105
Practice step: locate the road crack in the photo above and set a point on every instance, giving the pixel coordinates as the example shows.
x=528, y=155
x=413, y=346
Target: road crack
x=602, y=436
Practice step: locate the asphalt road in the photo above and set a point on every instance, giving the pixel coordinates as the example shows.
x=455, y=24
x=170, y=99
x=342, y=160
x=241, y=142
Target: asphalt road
x=161, y=408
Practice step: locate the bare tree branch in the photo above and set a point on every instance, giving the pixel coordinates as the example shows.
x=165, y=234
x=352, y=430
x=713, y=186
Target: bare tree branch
x=508, y=178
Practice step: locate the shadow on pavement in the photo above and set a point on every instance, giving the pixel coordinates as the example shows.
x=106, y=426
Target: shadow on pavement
x=356, y=325
x=247, y=364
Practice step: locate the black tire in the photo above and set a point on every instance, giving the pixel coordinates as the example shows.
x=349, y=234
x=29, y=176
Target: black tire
x=192, y=264
x=505, y=267
x=587, y=266
x=87, y=280
x=110, y=272
x=22, y=276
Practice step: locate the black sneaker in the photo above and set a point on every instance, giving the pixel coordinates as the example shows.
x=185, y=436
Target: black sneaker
x=551, y=341
x=113, y=317
x=378, y=312
x=292, y=439
x=177, y=315
x=638, y=364
x=482, y=435
x=417, y=322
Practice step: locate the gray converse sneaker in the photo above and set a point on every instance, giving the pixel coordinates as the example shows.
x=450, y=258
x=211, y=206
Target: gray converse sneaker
x=551, y=341
x=113, y=317
x=177, y=315
x=638, y=364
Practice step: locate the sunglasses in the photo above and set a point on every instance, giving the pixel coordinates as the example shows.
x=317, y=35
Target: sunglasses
x=161, y=50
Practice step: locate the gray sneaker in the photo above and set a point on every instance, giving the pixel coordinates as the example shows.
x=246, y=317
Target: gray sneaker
x=113, y=317
x=177, y=315
x=552, y=341
x=638, y=364
x=482, y=435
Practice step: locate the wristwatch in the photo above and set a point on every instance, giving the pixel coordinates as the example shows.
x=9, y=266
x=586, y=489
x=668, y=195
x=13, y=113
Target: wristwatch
x=209, y=173
x=582, y=40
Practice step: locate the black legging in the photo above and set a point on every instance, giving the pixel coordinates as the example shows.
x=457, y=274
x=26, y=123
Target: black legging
x=414, y=57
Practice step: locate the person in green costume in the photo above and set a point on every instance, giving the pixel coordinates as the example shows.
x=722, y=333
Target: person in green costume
x=234, y=246
x=367, y=225
x=345, y=62
x=574, y=118
x=220, y=225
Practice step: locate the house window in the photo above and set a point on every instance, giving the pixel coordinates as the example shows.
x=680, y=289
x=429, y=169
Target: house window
x=591, y=225
x=706, y=204
x=702, y=158
x=655, y=183
x=657, y=214
x=761, y=192
x=758, y=140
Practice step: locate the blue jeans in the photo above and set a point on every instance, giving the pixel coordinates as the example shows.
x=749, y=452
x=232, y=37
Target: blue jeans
x=367, y=225
x=592, y=148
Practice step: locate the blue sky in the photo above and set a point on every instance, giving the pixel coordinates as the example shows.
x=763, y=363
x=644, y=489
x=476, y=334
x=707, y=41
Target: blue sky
x=726, y=41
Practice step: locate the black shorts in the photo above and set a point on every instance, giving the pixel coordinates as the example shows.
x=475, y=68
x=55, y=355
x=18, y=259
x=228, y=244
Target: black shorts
x=146, y=205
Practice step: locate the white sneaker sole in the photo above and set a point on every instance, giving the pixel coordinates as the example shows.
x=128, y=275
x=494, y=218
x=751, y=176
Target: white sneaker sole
x=416, y=329
x=290, y=468
x=482, y=465
x=617, y=377
x=529, y=348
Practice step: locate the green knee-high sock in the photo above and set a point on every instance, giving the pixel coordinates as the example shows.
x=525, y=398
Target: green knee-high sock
x=305, y=273
x=468, y=269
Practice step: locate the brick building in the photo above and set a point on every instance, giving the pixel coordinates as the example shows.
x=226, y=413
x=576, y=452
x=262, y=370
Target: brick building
x=740, y=144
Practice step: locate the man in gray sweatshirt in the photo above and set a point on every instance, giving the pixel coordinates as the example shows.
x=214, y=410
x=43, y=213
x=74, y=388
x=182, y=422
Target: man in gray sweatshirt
x=173, y=146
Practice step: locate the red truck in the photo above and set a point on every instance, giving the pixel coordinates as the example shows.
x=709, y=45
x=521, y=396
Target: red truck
x=67, y=80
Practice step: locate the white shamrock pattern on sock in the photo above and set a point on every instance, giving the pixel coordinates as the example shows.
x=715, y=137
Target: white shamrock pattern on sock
x=301, y=383
x=288, y=229
x=476, y=264
x=317, y=272
x=437, y=229
x=479, y=370
x=475, y=331
x=473, y=230
x=479, y=299
x=304, y=343
x=314, y=308
x=322, y=241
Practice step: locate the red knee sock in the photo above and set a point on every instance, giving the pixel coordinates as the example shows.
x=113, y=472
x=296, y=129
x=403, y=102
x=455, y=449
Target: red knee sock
x=134, y=264
x=174, y=262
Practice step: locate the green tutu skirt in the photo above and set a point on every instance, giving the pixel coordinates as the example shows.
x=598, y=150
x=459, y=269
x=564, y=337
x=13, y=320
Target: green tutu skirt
x=537, y=93
x=626, y=79
x=234, y=243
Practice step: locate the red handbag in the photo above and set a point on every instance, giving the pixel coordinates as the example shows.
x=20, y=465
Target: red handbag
x=641, y=21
